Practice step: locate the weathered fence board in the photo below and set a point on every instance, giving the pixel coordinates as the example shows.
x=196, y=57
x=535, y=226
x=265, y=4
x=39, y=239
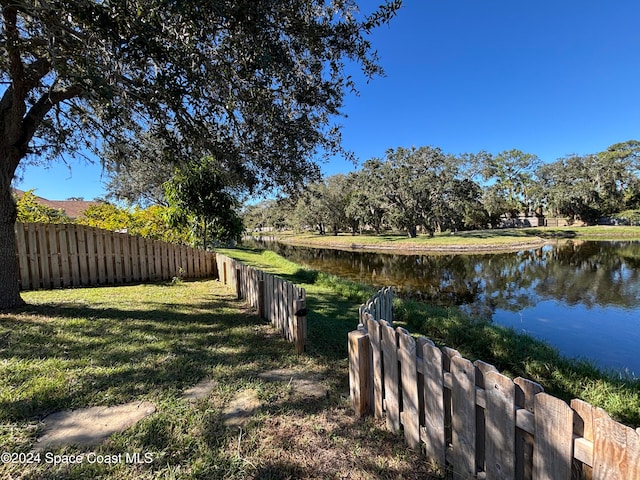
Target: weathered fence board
x=66, y=280
x=34, y=257
x=553, y=439
x=433, y=402
x=616, y=450
x=68, y=255
x=526, y=391
x=359, y=351
x=92, y=261
x=54, y=256
x=474, y=421
x=373, y=327
x=43, y=250
x=463, y=414
x=389, y=346
x=281, y=302
x=481, y=370
x=408, y=375
x=500, y=425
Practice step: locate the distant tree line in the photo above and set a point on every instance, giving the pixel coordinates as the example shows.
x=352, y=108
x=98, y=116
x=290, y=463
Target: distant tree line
x=425, y=189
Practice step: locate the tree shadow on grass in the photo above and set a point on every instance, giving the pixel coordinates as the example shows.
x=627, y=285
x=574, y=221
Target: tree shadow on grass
x=70, y=356
x=113, y=355
x=301, y=276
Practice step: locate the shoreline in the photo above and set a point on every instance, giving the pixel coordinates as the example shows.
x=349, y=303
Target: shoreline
x=467, y=242
x=412, y=249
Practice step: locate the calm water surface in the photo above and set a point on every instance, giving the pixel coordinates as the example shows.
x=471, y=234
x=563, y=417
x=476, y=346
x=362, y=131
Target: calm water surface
x=582, y=297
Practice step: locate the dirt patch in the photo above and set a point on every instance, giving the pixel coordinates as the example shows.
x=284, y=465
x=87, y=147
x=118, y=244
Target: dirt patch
x=300, y=382
x=241, y=408
x=201, y=390
x=90, y=426
x=330, y=443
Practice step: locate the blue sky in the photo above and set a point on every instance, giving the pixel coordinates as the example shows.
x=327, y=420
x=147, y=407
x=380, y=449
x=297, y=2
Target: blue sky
x=546, y=77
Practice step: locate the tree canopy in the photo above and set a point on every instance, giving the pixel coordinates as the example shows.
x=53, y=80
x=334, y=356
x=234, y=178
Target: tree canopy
x=199, y=198
x=253, y=84
x=31, y=210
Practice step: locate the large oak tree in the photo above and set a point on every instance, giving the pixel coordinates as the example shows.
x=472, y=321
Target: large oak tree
x=254, y=84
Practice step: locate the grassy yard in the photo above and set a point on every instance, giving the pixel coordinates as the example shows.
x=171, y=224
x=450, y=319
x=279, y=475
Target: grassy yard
x=104, y=346
x=473, y=240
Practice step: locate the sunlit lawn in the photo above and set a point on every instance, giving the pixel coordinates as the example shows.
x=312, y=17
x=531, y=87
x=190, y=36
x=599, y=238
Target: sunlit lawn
x=104, y=346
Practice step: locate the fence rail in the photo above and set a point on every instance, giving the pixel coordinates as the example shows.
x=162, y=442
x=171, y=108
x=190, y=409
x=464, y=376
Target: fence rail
x=69, y=255
x=476, y=421
x=279, y=301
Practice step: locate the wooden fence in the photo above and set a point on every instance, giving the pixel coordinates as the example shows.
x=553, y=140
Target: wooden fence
x=279, y=301
x=475, y=422
x=69, y=255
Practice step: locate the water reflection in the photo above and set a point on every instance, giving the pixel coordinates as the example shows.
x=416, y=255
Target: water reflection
x=596, y=284
x=576, y=272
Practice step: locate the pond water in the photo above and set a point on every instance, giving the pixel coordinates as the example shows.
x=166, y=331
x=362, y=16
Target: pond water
x=582, y=297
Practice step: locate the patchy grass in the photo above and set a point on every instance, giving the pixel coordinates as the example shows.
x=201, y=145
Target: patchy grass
x=593, y=232
x=104, y=346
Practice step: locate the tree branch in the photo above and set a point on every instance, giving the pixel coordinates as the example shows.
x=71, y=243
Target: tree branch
x=39, y=110
x=10, y=14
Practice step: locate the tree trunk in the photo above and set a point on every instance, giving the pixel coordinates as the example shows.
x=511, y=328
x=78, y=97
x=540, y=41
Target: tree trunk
x=9, y=288
x=413, y=232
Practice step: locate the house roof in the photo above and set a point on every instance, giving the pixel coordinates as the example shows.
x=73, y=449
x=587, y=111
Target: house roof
x=72, y=208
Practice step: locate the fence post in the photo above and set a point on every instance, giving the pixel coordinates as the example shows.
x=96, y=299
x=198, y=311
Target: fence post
x=300, y=313
x=238, y=284
x=360, y=372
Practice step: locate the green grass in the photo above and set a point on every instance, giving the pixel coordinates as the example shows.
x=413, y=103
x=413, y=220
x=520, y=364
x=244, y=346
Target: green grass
x=104, y=346
x=480, y=240
x=513, y=353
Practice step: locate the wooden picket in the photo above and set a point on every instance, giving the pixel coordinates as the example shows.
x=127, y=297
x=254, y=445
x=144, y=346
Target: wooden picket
x=69, y=255
x=471, y=419
x=278, y=301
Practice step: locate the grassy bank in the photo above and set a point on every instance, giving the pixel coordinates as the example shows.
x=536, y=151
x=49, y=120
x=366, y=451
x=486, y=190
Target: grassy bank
x=513, y=353
x=516, y=354
x=476, y=240
x=104, y=346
